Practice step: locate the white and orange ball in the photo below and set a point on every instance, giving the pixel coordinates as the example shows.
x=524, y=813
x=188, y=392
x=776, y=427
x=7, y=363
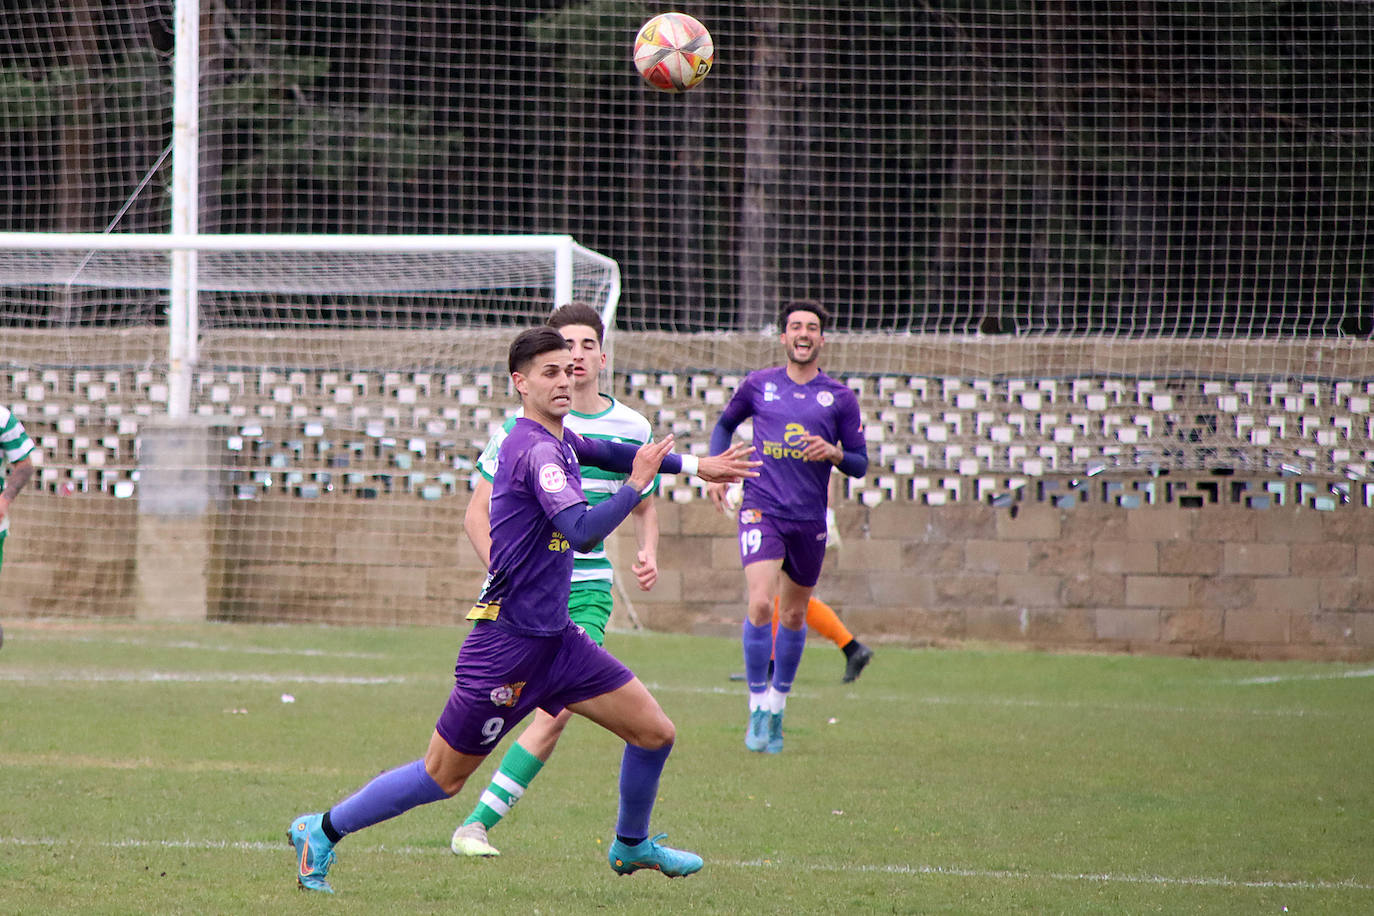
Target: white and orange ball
x=673, y=52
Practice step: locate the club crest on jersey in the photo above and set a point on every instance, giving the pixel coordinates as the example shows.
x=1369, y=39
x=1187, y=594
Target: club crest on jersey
x=507, y=694
x=770, y=391
x=552, y=479
x=825, y=399
x=750, y=517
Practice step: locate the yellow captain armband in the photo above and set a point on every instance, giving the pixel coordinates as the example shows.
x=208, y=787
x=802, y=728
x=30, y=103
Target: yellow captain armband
x=485, y=610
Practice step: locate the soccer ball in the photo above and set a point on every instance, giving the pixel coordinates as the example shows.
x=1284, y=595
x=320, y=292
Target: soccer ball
x=673, y=52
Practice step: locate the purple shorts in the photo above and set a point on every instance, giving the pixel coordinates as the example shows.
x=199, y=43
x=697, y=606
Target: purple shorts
x=500, y=678
x=800, y=545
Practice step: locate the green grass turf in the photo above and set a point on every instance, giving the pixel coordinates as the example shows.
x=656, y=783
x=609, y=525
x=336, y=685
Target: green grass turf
x=154, y=769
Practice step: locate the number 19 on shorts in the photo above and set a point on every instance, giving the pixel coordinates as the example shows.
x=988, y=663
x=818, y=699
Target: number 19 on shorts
x=750, y=539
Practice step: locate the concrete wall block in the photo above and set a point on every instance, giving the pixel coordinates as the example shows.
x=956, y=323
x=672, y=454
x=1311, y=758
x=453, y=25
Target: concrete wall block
x=1258, y=559
x=911, y=589
x=933, y=557
x=1190, y=558
x=901, y=522
x=1093, y=590
x=1159, y=524
x=965, y=591
x=1126, y=556
x=1256, y=626
x=1291, y=594
x=1031, y=523
x=1059, y=558
x=1329, y=559
x=1094, y=523
x=1029, y=591
x=1129, y=624
x=1289, y=525
x=996, y=556
x=1158, y=591
x=875, y=555
x=1224, y=592
x=963, y=523
x=1231, y=524
x=1192, y=625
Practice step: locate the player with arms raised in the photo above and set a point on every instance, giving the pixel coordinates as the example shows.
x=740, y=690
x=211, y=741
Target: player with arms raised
x=805, y=423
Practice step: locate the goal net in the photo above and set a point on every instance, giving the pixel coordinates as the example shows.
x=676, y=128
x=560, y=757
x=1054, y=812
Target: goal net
x=341, y=388
x=1062, y=242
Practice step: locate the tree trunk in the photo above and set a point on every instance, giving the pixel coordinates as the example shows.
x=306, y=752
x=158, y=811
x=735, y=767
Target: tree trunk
x=758, y=251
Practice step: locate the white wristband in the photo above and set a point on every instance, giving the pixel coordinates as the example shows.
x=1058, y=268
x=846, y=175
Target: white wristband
x=690, y=464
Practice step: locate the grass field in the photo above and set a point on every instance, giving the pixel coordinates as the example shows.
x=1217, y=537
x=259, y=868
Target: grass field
x=154, y=769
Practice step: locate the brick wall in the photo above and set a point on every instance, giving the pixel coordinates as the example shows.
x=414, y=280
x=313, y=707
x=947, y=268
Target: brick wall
x=1274, y=583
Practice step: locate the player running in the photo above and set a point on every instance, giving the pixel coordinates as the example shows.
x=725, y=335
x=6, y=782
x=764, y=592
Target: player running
x=805, y=423
x=523, y=651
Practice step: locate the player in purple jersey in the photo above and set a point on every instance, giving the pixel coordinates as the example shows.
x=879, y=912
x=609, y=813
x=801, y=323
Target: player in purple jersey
x=805, y=423
x=523, y=650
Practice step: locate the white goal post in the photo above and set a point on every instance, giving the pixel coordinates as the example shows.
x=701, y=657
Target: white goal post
x=317, y=268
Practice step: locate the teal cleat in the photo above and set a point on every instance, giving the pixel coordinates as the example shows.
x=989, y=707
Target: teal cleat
x=673, y=863
x=774, y=743
x=756, y=738
x=314, y=851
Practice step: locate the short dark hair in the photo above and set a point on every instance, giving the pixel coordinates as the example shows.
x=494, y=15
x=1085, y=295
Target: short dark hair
x=578, y=313
x=804, y=305
x=532, y=342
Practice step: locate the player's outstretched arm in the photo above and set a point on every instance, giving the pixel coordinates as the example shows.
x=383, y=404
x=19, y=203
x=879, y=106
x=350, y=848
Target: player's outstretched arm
x=733, y=464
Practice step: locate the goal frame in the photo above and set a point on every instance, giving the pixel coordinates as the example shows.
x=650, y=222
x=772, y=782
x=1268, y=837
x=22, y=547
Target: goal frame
x=183, y=281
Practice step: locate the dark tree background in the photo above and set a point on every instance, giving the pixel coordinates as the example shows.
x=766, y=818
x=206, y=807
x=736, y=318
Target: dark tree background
x=1135, y=167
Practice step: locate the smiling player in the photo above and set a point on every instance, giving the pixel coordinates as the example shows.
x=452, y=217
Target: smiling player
x=805, y=423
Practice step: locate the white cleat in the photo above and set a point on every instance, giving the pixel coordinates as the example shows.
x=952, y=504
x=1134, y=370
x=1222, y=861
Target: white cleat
x=471, y=840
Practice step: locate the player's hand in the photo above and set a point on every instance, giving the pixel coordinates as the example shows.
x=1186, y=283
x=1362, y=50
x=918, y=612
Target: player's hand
x=4, y=506
x=647, y=459
x=717, y=493
x=729, y=466
x=646, y=570
x=817, y=449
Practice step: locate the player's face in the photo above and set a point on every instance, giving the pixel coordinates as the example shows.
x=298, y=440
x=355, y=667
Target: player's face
x=588, y=359
x=546, y=384
x=802, y=337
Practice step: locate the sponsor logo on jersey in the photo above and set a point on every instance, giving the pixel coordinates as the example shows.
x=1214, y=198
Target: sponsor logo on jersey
x=559, y=544
x=791, y=445
x=507, y=694
x=551, y=478
x=485, y=610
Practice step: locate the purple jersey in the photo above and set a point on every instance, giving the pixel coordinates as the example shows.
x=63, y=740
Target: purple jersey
x=783, y=412
x=537, y=477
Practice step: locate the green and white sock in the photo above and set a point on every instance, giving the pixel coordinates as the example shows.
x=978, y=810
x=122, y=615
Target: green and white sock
x=517, y=770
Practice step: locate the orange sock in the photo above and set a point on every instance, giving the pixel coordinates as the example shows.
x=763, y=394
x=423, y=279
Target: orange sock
x=822, y=618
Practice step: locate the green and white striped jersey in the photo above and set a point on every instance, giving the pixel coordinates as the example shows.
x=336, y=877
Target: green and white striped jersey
x=617, y=423
x=16, y=445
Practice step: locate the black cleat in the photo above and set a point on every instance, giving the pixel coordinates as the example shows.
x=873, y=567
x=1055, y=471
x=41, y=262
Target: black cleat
x=857, y=663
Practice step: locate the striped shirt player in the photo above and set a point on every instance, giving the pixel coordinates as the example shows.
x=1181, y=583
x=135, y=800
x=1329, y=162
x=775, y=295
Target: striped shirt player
x=590, y=602
x=19, y=450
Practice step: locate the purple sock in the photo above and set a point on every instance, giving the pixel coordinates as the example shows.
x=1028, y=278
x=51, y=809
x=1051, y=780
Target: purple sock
x=787, y=656
x=639, y=773
x=758, y=648
x=392, y=793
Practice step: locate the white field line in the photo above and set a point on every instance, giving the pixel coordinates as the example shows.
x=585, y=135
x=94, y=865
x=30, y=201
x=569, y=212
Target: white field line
x=948, y=871
x=1285, y=678
x=44, y=677
x=20, y=676
x=52, y=636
